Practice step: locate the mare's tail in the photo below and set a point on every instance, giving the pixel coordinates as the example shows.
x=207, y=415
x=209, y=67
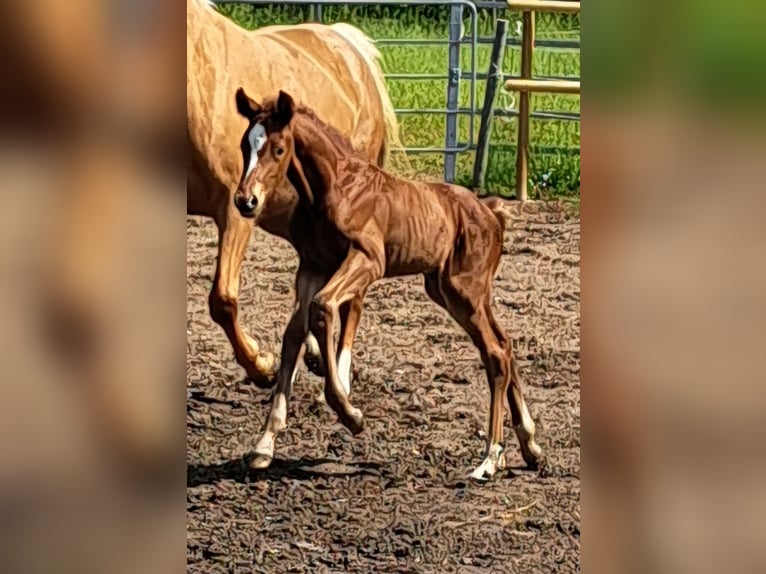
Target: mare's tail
x=371, y=55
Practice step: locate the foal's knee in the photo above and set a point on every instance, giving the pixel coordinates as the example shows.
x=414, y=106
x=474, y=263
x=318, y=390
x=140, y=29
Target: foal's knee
x=320, y=316
x=498, y=363
x=222, y=305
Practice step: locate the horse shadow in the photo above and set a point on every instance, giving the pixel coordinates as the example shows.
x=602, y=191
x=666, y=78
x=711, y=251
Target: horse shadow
x=305, y=468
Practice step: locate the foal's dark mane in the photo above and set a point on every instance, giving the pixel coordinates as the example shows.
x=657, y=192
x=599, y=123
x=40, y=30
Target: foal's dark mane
x=338, y=139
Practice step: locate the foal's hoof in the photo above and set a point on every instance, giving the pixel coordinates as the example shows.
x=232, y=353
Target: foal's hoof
x=354, y=422
x=314, y=364
x=530, y=452
x=495, y=461
x=261, y=460
x=532, y=455
x=261, y=381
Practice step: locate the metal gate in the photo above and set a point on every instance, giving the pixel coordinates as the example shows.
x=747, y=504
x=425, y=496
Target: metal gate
x=455, y=39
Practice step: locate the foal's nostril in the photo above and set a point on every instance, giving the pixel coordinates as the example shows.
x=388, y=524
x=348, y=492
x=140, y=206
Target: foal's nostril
x=246, y=205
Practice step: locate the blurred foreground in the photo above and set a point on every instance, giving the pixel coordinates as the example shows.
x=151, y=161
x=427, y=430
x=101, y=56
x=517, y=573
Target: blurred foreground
x=674, y=282
x=92, y=227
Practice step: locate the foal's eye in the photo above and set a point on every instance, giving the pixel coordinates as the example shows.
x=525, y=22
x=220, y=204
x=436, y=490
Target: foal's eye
x=279, y=151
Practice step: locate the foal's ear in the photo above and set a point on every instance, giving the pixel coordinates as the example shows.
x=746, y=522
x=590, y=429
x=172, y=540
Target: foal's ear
x=285, y=108
x=246, y=106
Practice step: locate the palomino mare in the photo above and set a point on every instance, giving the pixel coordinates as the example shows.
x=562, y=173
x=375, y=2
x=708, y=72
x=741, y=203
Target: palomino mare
x=334, y=67
x=356, y=224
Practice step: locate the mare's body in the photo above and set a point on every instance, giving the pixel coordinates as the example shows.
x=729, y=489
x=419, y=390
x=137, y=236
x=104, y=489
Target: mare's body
x=333, y=67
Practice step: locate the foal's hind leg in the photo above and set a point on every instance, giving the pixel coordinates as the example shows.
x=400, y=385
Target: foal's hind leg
x=522, y=421
x=350, y=315
x=465, y=296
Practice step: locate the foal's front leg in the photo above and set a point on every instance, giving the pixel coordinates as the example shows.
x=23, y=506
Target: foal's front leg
x=307, y=285
x=350, y=314
x=350, y=282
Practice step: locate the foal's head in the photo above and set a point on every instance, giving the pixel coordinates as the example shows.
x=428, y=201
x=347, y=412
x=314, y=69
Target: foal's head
x=267, y=146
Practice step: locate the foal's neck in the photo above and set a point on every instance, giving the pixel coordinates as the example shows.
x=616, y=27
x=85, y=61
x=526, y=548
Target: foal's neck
x=320, y=149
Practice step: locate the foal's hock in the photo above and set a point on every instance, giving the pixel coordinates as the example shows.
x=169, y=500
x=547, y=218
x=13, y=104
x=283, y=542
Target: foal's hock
x=355, y=224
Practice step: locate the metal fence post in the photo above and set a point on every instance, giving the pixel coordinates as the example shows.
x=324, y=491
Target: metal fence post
x=317, y=13
x=485, y=127
x=453, y=90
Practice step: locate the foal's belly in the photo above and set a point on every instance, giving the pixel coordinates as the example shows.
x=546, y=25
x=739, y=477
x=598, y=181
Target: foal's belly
x=416, y=247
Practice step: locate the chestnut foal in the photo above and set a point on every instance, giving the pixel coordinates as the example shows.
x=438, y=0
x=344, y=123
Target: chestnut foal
x=356, y=224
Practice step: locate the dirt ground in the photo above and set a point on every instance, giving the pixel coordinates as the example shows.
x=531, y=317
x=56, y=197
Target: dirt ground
x=396, y=497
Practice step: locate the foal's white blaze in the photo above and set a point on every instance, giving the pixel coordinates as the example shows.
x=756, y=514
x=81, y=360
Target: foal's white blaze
x=257, y=139
x=344, y=370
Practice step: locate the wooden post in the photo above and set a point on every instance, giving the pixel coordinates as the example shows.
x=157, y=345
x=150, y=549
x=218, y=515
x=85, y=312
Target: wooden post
x=545, y=5
x=522, y=144
x=544, y=86
x=487, y=111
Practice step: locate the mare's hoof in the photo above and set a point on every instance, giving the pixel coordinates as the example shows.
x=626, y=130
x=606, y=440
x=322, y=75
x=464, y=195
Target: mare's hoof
x=261, y=460
x=261, y=381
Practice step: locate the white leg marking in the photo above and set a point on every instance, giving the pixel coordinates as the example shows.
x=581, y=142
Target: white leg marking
x=495, y=460
x=279, y=411
x=526, y=419
x=344, y=370
x=526, y=434
x=265, y=446
x=276, y=422
x=312, y=345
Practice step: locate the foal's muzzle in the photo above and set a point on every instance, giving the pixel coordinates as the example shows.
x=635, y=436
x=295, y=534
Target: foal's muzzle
x=246, y=204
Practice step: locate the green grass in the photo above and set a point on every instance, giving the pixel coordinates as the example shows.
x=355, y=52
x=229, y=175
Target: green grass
x=553, y=172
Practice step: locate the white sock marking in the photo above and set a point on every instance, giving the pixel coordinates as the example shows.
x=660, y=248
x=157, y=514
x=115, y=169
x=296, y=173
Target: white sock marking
x=344, y=370
x=312, y=345
x=526, y=420
x=279, y=413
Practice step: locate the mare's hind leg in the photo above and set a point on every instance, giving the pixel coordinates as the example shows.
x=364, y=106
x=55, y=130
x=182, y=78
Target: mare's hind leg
x=355, y=275
x=233, y=236
x=465, y=296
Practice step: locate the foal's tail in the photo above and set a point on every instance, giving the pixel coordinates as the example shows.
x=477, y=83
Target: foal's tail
x=498, y=207
x=366, y=48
